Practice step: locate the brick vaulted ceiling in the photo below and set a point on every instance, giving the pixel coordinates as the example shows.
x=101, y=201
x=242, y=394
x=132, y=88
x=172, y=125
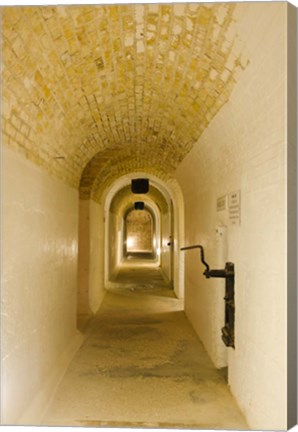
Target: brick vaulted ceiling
x=95, y=92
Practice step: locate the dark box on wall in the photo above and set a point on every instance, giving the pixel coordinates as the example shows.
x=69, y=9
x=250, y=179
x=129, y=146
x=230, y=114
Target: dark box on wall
x=139, y=205
x=140, y=186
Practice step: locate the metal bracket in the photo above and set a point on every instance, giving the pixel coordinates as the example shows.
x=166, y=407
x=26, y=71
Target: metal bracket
x=228, y=273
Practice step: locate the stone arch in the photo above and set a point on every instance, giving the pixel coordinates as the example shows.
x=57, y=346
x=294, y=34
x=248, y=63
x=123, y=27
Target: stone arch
x=173, y=196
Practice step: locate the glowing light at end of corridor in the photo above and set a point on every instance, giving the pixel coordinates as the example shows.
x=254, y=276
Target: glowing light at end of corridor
x=130, y=242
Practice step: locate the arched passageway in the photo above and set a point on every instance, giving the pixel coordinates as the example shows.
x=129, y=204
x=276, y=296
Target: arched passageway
x=189, y=97
x=158, y=203
x=139, y=234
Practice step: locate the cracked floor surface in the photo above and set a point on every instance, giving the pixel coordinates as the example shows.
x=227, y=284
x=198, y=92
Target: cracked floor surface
x=141, y=364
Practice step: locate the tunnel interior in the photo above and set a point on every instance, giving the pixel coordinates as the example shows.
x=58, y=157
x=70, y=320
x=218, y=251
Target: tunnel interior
x=142, y=237
x=187, y=96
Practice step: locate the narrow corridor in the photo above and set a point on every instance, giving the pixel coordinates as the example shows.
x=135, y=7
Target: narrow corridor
x=142, y=365
x=129, y=132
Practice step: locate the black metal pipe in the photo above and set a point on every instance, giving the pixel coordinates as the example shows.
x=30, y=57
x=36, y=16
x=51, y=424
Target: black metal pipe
x=217, y=274
x=202, y=254
x=228, y=274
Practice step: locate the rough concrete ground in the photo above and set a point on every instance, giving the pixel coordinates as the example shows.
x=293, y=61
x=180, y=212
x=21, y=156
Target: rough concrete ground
x=142, y=365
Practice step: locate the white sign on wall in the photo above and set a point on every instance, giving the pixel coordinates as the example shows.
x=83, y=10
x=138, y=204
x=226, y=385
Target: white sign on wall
x=234, y=207
x=230, y=206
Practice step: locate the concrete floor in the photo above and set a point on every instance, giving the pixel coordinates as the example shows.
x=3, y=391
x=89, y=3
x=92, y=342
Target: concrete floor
x=142, y=365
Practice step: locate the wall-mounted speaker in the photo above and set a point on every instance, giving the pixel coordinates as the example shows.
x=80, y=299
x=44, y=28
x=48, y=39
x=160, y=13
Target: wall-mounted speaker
x=139, y=205
x=140, y=186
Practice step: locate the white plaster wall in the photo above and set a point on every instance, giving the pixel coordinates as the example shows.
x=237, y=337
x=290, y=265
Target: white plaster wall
x=91, y=257
x=165, y=249
x=244, y=149
x=96, y=277
x=83, y=307
x=113, y=228
x=177, y=208
x=38, y=291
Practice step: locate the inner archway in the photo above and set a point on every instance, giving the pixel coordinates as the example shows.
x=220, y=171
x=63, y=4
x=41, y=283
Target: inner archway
x=138, y=228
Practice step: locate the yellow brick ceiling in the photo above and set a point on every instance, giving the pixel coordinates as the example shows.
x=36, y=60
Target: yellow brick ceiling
x=107, y=90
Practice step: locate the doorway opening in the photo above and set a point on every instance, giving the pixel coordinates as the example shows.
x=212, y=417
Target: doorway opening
x=139, y=235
